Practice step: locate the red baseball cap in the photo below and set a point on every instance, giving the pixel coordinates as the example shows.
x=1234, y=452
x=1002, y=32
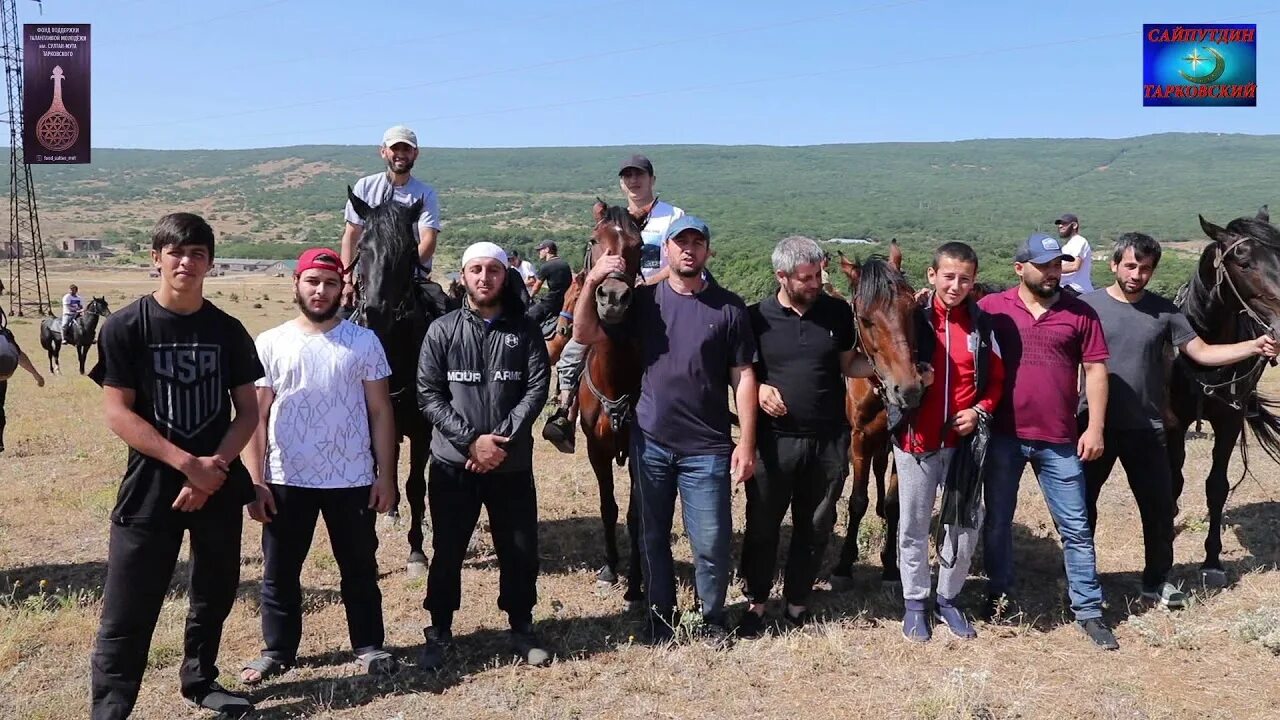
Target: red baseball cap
x=319, y=259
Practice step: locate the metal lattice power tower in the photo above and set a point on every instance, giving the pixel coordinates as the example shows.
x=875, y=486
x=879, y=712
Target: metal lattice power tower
x=28, y=285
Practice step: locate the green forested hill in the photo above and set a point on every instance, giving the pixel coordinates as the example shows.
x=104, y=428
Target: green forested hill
x=990, y=193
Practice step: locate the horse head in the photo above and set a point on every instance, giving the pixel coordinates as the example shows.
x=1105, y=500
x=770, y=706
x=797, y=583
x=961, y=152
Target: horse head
x=97, y=306
x=884, y=310
x=616, y=233
x=1245, y=258
x=386, y=260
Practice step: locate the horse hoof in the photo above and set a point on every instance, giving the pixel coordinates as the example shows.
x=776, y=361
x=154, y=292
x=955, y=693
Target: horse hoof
x=416, y=568
x=606, y=576
x=632, y=606
x=1213, y=578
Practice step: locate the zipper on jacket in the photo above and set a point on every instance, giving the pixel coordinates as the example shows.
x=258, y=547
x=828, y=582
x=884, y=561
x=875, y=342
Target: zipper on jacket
x=946, y=376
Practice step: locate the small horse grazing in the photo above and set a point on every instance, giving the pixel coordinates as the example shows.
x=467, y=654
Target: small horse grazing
x=82, y=331
x=1234, y=295
x=884, y=306
x=610, y=387
x=557, y=334
x=388, y=304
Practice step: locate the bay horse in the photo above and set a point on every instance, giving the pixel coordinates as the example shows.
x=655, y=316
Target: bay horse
x=610, y=387
x=1233, y=295
x=388, y=303
x=82, y=330
x=884, y=308
x=562, y=329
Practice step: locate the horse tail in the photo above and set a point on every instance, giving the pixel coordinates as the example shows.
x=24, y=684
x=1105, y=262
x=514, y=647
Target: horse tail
x=1264, y=421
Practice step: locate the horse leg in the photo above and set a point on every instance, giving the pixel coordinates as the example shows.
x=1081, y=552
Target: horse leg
x=82, y=353
x=600, y=453
x=1225, y=434
x=415, y=488
x=1176, y=451
x=842, y=574
x=888, y=509
x=634, y=597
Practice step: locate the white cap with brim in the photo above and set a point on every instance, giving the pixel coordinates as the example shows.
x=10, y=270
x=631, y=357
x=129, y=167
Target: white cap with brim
x=399, y=134
x=484, y=251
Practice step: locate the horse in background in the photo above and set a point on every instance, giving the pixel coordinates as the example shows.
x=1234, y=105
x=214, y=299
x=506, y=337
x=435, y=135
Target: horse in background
x=558, y=332
x=884, y=307
x=388, y=304
x=82, y=332
x=610, y=387
x=1234, y=295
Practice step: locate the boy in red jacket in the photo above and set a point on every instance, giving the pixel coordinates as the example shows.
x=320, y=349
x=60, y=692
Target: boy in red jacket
x=955, y=339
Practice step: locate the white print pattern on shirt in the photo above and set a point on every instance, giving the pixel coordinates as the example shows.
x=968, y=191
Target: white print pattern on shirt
x=318, y=432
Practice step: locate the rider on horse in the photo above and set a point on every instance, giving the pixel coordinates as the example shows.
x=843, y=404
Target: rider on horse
x=72, y=306
x=399, y=150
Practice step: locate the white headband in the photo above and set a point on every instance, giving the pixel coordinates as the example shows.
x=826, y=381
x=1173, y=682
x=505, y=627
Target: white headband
x=484, y=250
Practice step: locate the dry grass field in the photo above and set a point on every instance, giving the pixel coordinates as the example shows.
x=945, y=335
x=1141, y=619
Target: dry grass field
x=58, y=478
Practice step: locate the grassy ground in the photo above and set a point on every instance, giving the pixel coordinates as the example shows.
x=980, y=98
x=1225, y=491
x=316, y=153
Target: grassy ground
x=57, y=485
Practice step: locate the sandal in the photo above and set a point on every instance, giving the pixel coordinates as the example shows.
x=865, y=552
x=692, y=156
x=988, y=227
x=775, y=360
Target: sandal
x=265, y=667
x=376, y=662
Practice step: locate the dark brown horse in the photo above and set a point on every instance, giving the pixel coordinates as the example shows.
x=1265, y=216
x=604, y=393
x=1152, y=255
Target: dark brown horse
x=1234, y=295
x=564, y=321
x=883, y=307
x=610, y=386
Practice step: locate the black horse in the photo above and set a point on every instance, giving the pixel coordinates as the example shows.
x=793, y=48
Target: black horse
x=1233, y=296
x=389, y=304
x=81, y=332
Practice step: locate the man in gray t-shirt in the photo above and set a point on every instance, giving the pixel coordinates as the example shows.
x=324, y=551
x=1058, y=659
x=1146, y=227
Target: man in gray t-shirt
x=1141, y=328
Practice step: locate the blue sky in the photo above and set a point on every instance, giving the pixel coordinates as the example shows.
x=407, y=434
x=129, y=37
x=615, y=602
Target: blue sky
x=263, y=73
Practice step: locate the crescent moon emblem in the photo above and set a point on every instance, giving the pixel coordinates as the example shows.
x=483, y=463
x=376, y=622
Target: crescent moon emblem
x=1219, y=67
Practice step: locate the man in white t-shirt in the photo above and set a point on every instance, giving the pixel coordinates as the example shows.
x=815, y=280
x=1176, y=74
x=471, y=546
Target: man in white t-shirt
x=325, y=416
x=636, y=178
x=399, y=150
x=72, y=306
x=522, y=266
x=1077, y=274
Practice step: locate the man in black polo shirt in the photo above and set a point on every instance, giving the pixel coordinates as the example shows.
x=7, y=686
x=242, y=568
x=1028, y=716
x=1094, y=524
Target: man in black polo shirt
x=805, y=348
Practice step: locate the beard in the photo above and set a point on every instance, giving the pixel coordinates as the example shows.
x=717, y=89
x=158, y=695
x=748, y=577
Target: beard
x=687, y=274
x=314, y=315
x=803, y=297
x=407, y=166
x=477, y=302
x=1039, y=289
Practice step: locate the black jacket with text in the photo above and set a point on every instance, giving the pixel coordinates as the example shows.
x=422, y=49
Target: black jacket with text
x=476, y=378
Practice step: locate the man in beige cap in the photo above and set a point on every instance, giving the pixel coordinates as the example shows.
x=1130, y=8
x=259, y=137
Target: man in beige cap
x=399, y=150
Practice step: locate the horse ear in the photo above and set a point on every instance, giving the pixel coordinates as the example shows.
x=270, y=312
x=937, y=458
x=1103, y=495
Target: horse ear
x=360, y=206
x=850, y=270
x=1263, y=214
x=598, y=209
x=895, y=255
x=1215, y=233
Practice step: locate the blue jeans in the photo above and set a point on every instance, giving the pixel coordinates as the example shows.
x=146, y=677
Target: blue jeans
x=1061, y=477
x=703, y=484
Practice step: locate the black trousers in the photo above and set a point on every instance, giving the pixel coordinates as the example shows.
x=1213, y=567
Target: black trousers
x=455, y=497
x=1143, y=456
x=286, y=540
x=140, y=564
x=805, y=474
x=4, y=391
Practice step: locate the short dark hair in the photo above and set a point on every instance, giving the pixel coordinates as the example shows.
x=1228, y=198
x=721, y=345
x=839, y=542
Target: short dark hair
x=1143, y=246
x=956, y=251
x=548, y=245
x=181, y=229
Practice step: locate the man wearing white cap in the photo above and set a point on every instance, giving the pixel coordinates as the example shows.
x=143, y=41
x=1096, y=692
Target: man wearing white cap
x=482, y=380
x=399, y=150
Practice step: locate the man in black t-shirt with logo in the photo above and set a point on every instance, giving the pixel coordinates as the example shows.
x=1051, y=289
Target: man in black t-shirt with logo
x=556, y=276
x=172, y=366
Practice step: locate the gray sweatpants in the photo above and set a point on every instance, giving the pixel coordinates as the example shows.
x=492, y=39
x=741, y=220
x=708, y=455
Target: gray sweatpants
x=569, y=369
x=919, y=479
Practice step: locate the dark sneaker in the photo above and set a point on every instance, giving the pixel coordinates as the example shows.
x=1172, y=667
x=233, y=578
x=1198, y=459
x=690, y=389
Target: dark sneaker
x=1098, y=632
x=525, y=643
x=439, y=642
x=1167, y=595
x=559, y=432
x=955, y=620
x=915, y=626
x=795, y=622
x=751, y=625
x=716, y=636
x=217, y=699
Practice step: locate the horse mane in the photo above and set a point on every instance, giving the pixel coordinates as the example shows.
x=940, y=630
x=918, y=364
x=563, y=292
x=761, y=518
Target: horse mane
x=618, y=215
x=878, y=282
x=386, y=222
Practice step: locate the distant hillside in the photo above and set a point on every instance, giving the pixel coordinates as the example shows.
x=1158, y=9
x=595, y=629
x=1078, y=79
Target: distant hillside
x=990, y=193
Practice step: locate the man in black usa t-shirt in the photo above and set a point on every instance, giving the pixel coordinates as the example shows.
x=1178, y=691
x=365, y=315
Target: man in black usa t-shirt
x=172, y=366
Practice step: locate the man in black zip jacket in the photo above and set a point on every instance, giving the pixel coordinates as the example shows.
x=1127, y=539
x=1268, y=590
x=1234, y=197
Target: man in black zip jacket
x=482, y=380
